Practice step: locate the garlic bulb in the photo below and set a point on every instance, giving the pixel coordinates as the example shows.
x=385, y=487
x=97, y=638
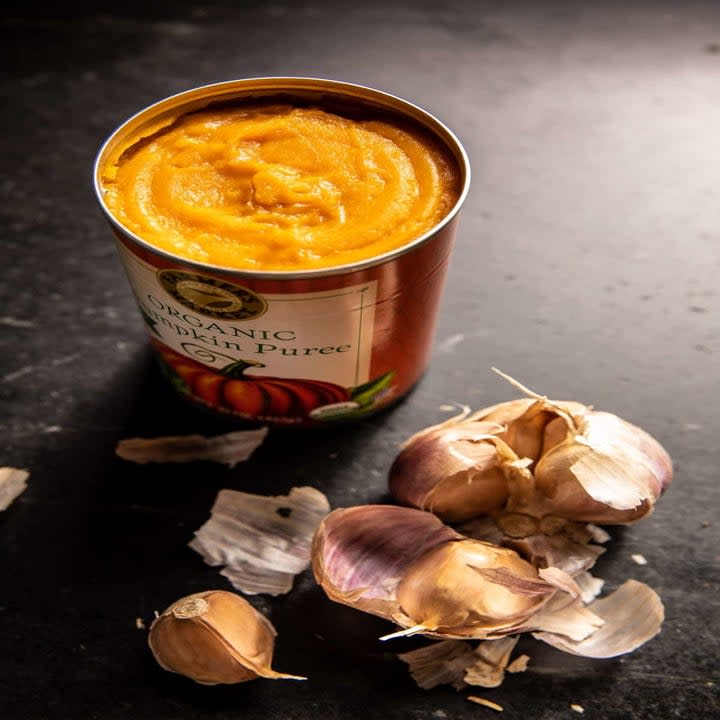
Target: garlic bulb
x=407, y=566
x=536, y=457
x=214, y=637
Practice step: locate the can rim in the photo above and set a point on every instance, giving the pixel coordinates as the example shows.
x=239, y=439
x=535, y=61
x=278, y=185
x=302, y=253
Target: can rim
x=284, y=83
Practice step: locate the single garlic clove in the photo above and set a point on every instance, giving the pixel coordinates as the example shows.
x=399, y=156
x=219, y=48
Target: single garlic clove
x=360, y=553
x=455, y=589
x=453, y=470
x=524, y=422
x=607, y=471
x=214, y=637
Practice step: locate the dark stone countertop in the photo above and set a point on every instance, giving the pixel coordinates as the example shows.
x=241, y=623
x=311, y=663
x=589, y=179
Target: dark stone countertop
x=586, y=266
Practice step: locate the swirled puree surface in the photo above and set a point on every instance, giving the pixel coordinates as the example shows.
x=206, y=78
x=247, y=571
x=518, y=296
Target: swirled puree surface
x=280, y=188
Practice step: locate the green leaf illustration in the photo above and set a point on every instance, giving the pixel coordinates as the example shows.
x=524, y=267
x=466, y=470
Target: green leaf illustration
x=365, y=394
x=175, y=380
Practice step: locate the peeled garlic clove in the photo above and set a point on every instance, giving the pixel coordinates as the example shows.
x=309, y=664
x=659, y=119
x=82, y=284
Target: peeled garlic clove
x=453, y=470
x=605, y=471
x=214, y=637
x=406, y=566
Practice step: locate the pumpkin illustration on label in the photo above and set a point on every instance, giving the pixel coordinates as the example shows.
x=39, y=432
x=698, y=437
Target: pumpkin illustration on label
x=291, y=400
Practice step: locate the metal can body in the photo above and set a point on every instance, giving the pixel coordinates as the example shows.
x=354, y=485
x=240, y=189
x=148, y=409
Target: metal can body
x=292, y=348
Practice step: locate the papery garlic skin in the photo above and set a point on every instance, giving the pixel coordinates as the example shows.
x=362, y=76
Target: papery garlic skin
x=262, y=541
x=446, y=590
x=214, y=637
x=630, y=616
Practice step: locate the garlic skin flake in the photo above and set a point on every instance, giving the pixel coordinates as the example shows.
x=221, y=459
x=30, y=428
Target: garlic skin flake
x=559, y=551
x=456, y=663
x=215, y=637
x=407, y=566
x=263, y=541
x=492, y=658
x=229, y=449
x=631, y=615
x=13, y=483
x=443, y=662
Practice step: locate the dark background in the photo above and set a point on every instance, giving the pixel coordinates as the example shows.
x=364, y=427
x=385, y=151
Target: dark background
x=586, y=266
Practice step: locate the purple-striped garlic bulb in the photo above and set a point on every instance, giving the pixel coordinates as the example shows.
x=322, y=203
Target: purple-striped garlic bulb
x=406, y=566
x=534, y=456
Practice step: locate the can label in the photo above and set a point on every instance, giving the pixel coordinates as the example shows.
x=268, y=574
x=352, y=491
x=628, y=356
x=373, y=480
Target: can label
x=281, y=358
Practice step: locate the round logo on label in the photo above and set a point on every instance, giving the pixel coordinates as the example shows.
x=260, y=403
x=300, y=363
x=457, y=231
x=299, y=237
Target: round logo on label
x=210, y=296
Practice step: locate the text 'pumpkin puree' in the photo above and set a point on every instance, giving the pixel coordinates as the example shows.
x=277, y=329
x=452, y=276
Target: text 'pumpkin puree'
x=278, y=187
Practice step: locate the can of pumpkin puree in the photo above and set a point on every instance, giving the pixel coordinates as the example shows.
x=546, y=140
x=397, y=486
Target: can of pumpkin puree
x=303, y=346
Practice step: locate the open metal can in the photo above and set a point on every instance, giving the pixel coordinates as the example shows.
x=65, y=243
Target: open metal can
x=290, y=348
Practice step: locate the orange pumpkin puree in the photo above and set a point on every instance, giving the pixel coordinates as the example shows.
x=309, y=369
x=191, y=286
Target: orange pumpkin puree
x=279, y=188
